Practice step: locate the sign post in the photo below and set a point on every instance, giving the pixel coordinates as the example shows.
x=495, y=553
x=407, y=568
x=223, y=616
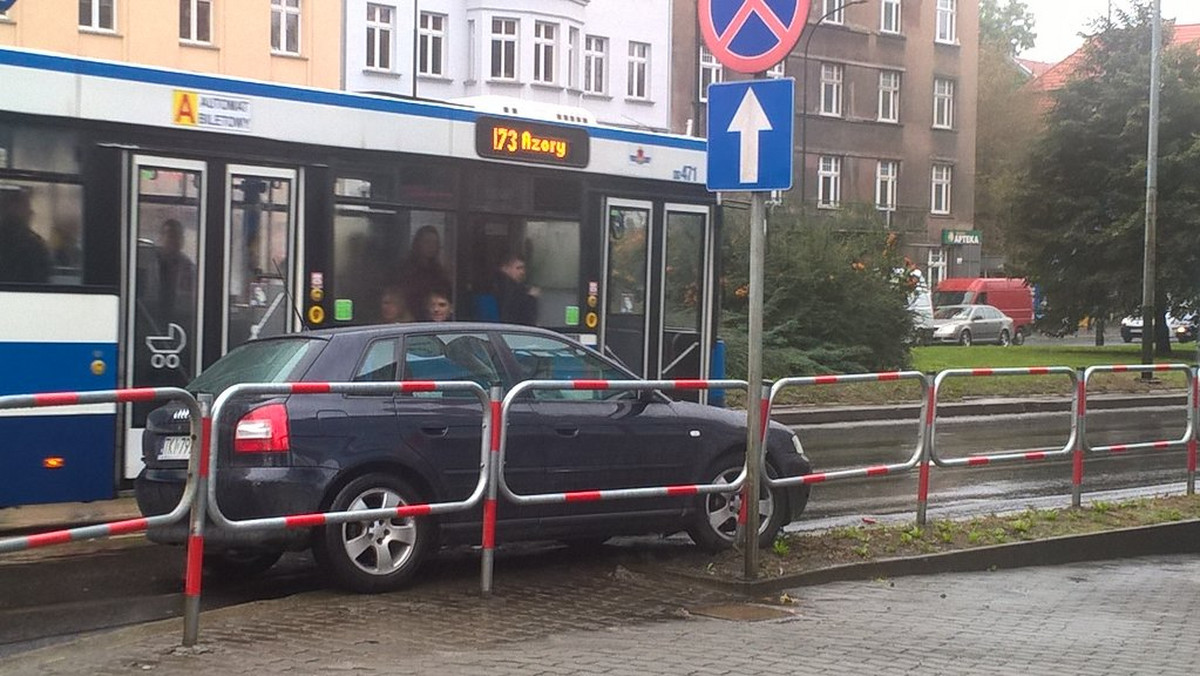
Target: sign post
x=750, y=149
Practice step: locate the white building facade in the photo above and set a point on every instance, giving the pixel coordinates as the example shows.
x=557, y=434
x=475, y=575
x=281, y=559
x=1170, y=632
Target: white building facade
x=610, y=57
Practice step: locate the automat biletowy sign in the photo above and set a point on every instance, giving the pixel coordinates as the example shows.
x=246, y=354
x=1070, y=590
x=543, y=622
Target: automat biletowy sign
x=218, y=112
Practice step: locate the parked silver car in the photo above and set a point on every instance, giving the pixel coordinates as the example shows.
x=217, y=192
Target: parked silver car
x=970, y=324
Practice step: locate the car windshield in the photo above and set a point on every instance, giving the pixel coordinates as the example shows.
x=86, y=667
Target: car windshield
x=269, y=361
x=941, y=298
x=952, y=312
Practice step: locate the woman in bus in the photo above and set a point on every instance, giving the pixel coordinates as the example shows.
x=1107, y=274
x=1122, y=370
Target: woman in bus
x=423, y=270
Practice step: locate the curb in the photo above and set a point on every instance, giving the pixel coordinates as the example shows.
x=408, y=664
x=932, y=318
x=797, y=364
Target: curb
x=1181, y=537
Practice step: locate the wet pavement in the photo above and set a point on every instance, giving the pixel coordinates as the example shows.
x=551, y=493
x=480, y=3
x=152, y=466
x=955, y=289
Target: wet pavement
x=552, y=614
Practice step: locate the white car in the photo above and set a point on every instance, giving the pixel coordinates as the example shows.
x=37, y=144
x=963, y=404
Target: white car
x=1131, y=327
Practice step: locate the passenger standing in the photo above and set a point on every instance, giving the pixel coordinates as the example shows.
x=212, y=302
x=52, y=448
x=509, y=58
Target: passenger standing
x=176, y=277
x=516, y=300
x=423, y=270
x=393, y=307
x=438, y=307
x=24, y=257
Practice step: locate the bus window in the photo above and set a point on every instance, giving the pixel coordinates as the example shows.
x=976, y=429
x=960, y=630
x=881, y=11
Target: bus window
x=41, y=233
x=376, y=249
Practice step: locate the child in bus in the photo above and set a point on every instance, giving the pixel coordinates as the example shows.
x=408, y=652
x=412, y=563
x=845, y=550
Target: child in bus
x=393, y=307
x=438, y=307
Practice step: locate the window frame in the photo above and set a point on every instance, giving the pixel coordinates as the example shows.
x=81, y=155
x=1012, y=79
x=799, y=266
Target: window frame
x=945, y=29
x=504, y=44
x=778, y=71
x=573, y=49
x=943, y=103
x=889, y=96
x=941, y=188
x=380, y=37
x=286, y=11
x=710, y=71
x=832, y=77
x=193, y=27
x=545, y=50
x=431, y=44
x=595, y=58
x=829, y=182
x=886, y=184
x=834, y=12
x=638, y=72
x=94, y=21
x=895, y=14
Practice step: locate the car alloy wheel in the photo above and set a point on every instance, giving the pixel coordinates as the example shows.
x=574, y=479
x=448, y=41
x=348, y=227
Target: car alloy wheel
x=1004, y=339
x=380, y=554
x=715, y=524
x=965, y=339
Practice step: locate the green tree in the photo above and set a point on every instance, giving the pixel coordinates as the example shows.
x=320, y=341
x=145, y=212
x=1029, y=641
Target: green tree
x=833, y=300
x=1081, y=220
x=1007, y=24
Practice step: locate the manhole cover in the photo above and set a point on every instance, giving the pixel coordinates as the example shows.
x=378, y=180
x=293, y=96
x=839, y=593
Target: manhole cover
x=741, y=612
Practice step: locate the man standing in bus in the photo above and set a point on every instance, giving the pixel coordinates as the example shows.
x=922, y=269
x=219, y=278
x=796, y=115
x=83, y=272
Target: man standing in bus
x=516, y=300
x=24, y=257
x=177, y=278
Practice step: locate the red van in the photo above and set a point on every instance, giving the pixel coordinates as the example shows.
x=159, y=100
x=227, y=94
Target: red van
x=1011, y=296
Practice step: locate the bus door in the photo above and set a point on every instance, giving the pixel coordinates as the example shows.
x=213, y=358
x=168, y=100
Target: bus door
x=259, y=251
x=625, y=325
x=164, y=272
x=686, y=314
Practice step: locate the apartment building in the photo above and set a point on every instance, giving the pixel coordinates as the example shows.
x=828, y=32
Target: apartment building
x=288, y=41
x=586, y=54
x=885, y=105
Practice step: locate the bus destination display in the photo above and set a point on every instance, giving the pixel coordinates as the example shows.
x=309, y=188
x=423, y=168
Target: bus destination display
x=523, y=141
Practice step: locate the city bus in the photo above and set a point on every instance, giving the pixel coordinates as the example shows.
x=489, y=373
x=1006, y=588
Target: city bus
x=151, y=220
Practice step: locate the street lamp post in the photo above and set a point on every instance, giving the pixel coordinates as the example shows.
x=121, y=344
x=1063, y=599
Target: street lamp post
x=804, y=96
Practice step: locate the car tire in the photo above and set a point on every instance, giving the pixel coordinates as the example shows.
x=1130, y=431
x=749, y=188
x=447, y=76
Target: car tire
x=1018, y=337
x=715, y=522
x=1005, y=339
x=965, y=339
x=238, y=564
x=379, y=555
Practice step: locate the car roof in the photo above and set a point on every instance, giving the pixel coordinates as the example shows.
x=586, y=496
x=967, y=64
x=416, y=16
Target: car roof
x=419, y=327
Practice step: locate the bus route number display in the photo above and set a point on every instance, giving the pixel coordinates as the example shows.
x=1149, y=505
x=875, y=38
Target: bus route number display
x=522, y=141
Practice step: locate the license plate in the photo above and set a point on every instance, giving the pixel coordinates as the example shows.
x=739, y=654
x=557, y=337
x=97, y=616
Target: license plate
x=175, y=448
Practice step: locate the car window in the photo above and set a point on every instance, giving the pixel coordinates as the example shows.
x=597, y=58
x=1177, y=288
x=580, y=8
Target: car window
x=952, y=312
x=379, y=364
x=267, y=361
x=451, y=357
x=545, y=358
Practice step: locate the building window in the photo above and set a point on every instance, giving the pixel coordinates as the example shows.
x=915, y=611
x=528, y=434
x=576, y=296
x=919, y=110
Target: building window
x=943, y=103
x=98, y=15
x=472, y=54
x=710, y=72
x=573, y=58
x=639, y=71
x=504, y=49
x=285, y=26
x=834, y=12
x=431, y=44
x=889, y=96
x=831, y=89
x=776, y=72
x=595, y=53
x=195, y=20
x=886, y=172
x=545, y=36
x=829, y=181
x=889, y=17
x=940, y=198
x=379, y=36
x=947, y=21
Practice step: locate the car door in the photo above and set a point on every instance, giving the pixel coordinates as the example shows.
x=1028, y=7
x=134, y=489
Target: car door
x=595, y=440
x=445, y=428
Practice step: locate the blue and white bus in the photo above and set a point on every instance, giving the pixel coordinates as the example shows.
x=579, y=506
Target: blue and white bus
x=151, y=220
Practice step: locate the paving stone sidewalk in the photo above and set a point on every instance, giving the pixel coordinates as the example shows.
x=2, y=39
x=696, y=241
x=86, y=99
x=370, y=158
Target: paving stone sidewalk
x=1133, y=616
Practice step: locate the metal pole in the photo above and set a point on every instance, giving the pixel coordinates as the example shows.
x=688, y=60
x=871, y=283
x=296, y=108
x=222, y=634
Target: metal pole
x=201, y=440
x=1149, y=272
x=754, y=421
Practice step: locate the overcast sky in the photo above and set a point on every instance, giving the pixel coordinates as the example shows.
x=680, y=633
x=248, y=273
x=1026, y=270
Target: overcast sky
x=1059, y=22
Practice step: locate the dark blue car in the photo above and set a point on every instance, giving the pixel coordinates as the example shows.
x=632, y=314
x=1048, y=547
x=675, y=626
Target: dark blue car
x=330, y=452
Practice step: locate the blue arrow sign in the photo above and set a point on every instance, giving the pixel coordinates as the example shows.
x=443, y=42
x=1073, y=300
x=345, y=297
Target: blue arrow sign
x=750, y=127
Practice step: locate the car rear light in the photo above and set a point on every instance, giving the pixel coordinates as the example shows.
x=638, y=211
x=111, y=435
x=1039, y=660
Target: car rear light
x=263, y=430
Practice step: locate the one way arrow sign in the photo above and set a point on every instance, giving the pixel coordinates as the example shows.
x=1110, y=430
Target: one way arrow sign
x=750, y=135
